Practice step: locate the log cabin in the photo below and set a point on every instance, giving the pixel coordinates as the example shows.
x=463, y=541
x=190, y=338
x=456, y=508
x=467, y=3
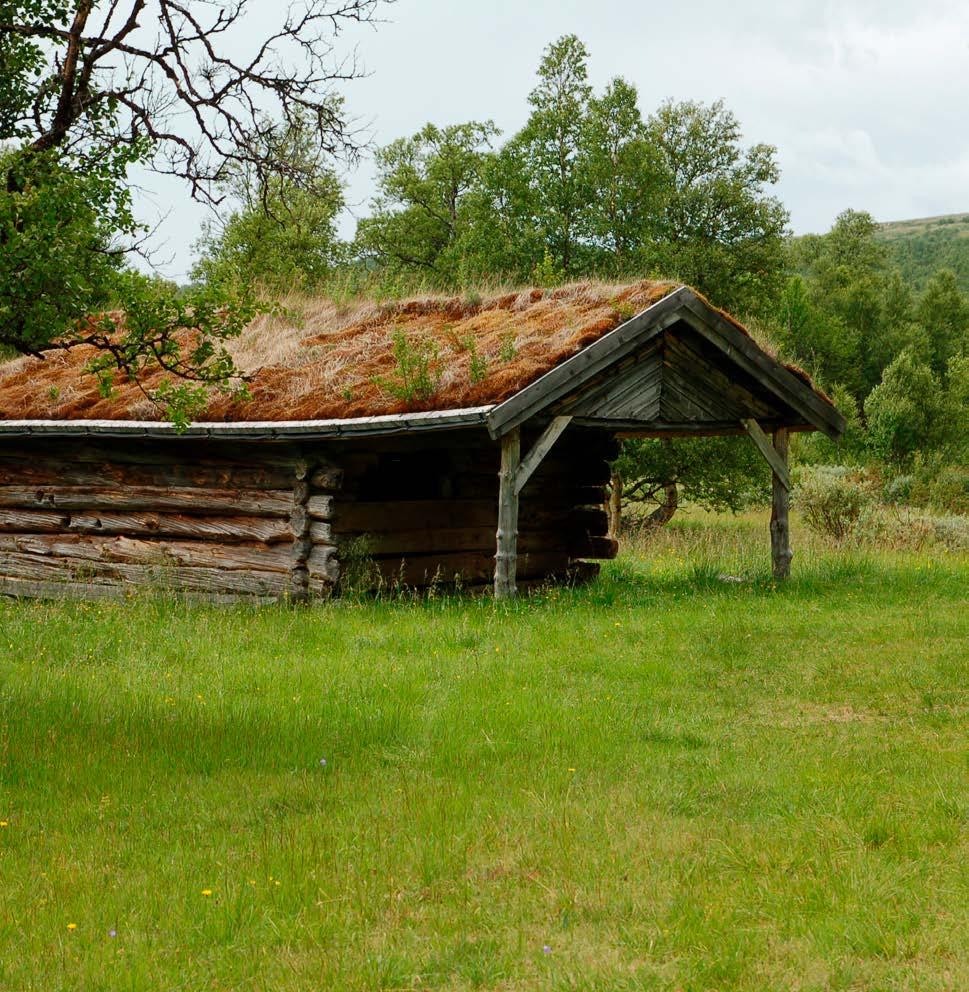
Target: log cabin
x=435, y=441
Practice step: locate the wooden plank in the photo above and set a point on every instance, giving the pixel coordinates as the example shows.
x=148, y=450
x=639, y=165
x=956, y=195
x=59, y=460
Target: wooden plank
x=506, y=554
x=402, y=543
x=570, y=374
x=780, y=525
x=270, y=503
x=539, y=450
x=267, y=530
x=770, y=453
x=687, y=352
x=637, y=367
x=742, y=349
x=164, y=554
x=46, y=568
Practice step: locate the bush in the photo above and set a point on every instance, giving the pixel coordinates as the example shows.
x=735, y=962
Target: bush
x=898, y=490
x=949, y=491
x=831, y=499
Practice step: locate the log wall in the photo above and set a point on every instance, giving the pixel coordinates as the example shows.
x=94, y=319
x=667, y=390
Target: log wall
x=268, y=521
x=93, y=519
x=422, y=511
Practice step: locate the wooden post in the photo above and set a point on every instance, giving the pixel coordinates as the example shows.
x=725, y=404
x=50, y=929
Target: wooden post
x=780, y=525
x=506, y=558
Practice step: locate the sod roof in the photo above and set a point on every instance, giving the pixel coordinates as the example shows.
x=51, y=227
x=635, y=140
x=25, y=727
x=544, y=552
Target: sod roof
x=327, y=360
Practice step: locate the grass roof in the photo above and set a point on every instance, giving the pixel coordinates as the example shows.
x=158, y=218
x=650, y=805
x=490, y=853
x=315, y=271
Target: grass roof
x=328, y=360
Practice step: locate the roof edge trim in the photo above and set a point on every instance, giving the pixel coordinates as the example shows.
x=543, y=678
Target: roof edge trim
x=270, y=430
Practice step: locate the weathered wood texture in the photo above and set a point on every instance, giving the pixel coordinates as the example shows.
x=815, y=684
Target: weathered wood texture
x=213, y=520
x=270, y=521
x=506, y=557
x=780, y=524
x=428, y=515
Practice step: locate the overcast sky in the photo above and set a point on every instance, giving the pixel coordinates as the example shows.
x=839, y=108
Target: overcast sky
x=867, y=101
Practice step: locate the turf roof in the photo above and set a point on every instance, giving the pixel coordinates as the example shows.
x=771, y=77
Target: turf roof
x=332, y=361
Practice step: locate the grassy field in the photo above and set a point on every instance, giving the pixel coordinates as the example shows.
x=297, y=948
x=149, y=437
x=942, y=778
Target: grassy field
x=664, y=781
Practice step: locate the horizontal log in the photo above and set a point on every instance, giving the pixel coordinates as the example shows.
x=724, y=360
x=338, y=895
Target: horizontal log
x=323, y=564
x=92, y=591
x=320, y=507
x=269, y=503
x=600, y=548
x=392, y=516
x=229, y=529
x=163, y=554
x=41, y=472
x=46, y=568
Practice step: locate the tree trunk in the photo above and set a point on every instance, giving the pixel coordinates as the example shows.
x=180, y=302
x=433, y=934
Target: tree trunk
x=663, y=513
x=615, y=506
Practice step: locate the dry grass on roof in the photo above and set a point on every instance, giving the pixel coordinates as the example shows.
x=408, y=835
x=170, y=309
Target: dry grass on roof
x=330, y=360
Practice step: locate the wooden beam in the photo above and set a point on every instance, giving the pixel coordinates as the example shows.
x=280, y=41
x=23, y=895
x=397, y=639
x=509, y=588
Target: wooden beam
x=743, y=350
x=780, y=525
x=768, y=450
x=569, y=377
x=506, y=556
x=540, y=449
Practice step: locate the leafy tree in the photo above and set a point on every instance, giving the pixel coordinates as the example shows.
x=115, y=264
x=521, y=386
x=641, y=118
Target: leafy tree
x=906, y=410
x=551, y=150
x=283, y=235
x=420, y=220
x=718, y=473
x=719, y=230
x=86, y=94
x=624, y=177
x=943, y=313
x=850, y=286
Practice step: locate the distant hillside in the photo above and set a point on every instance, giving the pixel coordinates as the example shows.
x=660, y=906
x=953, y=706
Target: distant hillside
x=922, y=247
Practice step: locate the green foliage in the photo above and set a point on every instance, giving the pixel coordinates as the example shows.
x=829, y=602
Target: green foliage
x=420, y=219
x=920, y=248
x=283, y=235
x=417, y=374
x=906, y=410
x=943, y=313
x=57, y=226
x=719, y=229
x=831, y=499
x=585, y=188
x=717, y=473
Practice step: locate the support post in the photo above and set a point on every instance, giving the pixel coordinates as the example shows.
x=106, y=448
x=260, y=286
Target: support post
x=780, y=525
x=506, y=558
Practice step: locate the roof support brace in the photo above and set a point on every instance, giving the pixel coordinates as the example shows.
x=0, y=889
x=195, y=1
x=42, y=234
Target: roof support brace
x=777, y=463
x=540, y=449
x=515, y=472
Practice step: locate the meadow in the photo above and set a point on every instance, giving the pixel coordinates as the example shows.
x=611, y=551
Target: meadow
x=681, y=777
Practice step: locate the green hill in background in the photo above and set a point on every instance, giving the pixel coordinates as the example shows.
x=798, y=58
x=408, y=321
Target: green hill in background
x=921, y=247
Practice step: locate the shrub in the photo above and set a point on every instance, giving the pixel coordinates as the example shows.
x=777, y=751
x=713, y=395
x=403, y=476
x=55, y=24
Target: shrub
x=949, y=491
x=953, y=532
x=831, y=499
x=898, y=490
x=417, y=376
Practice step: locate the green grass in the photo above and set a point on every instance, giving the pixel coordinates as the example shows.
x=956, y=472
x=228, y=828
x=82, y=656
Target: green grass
x=667, y=780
